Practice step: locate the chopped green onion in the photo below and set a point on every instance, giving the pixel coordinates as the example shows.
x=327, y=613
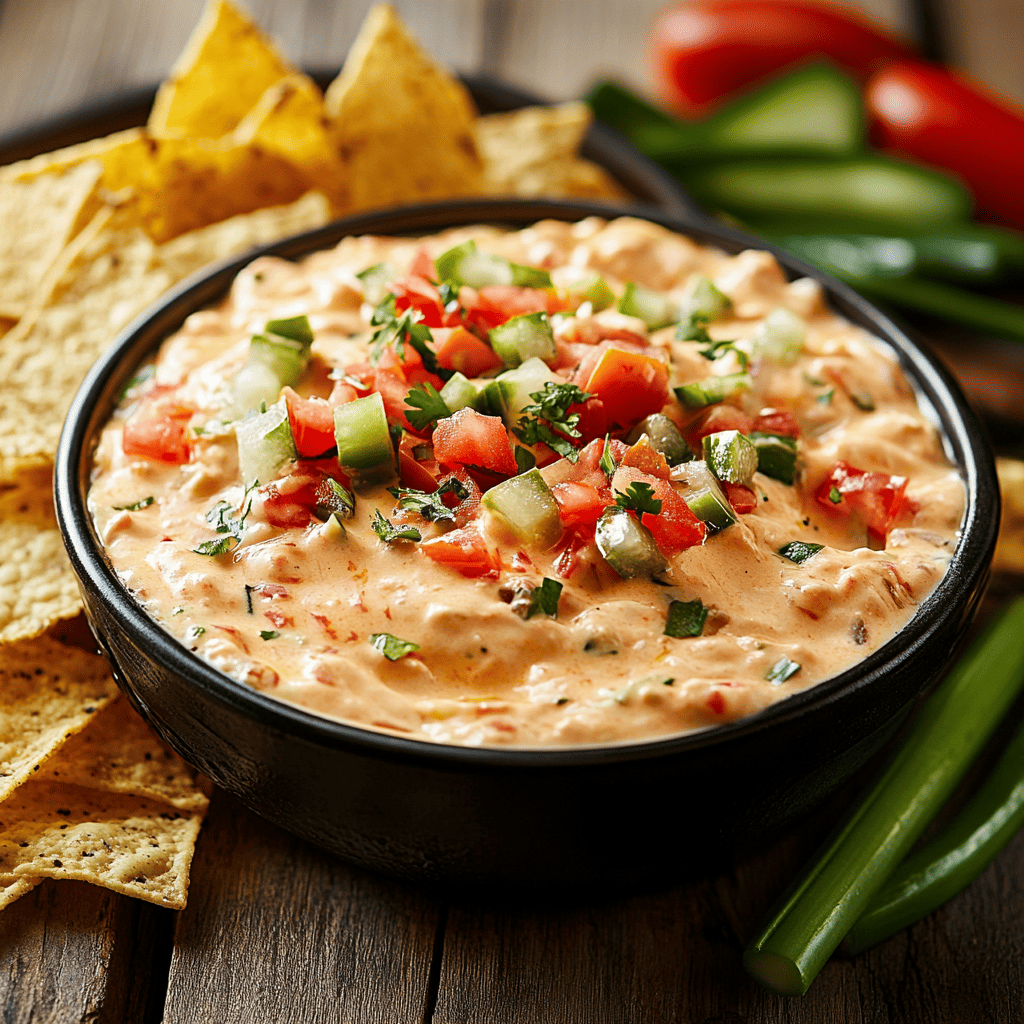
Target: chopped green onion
x=135, y=506
x=656, y=309
x=782, y=670
x=389, y=532
x=269, y=634
x=942, y=742
x=686, y=618
x=392, y=647
x=776, y=456
x=799, y=550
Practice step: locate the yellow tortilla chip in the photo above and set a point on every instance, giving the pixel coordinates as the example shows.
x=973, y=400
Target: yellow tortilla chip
x=48, y=692
x=533, y=151
x=188, y=253
x=403, y=124
x=37, y=218
x=37, y=585
x=119, y=753
x=290, y=121
x=11, y=887
x=110, y=147
x=227, y=64
x=1009, y=556
x=128, y=844
x=29, y=498
x=106, y=277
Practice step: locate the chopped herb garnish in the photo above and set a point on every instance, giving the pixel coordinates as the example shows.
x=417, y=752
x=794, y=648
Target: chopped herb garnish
x=525, y=459
x=269, y=634
x=221, y=546
x=396, y=330
x=425, y=406
x=782, y=670
x=388, y=531
x=178, y=610
x=826, y=397
x=391, y=646
x=834, y=496
x=140, y=378
x=863, y=401
x=195, y=632
x=686, y=618
x=550, y=412
x=334, y=499
x=544, y=599
x=430, y=506
x=799, y=550
x=815, y=382
x=712, y=349
x=135, y=505
x=639, y=498
x=248, y=598
x=221, y=518
x=607, y=463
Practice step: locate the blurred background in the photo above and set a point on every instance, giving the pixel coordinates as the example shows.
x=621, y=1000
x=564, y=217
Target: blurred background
x=57, y=54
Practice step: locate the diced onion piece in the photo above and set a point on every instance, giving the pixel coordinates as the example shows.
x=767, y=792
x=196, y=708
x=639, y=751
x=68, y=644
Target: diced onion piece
x=265, y=444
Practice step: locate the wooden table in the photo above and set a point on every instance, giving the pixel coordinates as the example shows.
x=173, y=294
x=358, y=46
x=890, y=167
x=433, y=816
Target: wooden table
x=276, y=931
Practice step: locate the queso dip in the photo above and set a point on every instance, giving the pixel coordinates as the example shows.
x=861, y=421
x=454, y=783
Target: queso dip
x=574, y=484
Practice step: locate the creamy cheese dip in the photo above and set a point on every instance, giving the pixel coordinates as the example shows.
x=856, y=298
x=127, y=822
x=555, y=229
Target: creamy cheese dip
x=306, y=605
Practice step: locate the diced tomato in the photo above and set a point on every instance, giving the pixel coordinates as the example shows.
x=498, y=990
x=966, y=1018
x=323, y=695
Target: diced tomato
x=414, y=475
x=776, y=421
x=579, y=502
x=466, y=509
x=463, y=550
x=593, y=422
x=312, y=423
x=341, y=393
x=877, y=498
x=162, y=440
x=423, y=265
x=742, y=498
x=288, y=503
x=644, y=456
x=465, y=352
x=420, y=294
x=630, y=384
x=492, y=305
x=392, y=387
x=587, y=467
x=469, y=438
x=576, y=542
x=675, y=527
x=718, y=417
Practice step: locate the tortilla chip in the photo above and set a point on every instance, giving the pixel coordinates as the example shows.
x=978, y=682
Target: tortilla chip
x=29, y=498
x=37, y=585
x=37, y=218
x=104, y=278
x=48, y=692
x=11, y=887
x=110, y=147
x=131, y=845
x=188, y=253
x=119, y=753
x=290, y=121
x=533, y=151
x=403, y=124
x=227, y=64
x=1009, y=556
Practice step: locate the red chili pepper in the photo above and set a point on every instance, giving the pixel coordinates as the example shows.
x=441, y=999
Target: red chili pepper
x=942, y=119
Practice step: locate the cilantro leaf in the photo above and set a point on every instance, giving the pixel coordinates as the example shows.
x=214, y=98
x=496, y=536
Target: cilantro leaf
x=544, y=599
x=223, y=520
x=430, y=506
x=195, y=632
x=333, y=499
x=799, y=550
x=392, y=647
x=686, y=618
x=607, y=463
x=269, y=634
x=135, y=506
x=216, y=547
x=396, y=330
x=550, y=412
x=639, y=498
x=425, y=406
x=525, y=459
x=388, y=531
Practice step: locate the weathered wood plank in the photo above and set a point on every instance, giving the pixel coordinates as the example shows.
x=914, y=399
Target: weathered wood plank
x=275, y=930
x=72, y=952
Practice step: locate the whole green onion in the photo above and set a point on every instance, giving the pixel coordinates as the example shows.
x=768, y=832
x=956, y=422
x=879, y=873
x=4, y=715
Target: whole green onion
x=813, y=917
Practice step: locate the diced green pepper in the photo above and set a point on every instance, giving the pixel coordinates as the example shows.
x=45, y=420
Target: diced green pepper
x=656, y=309
x=713, y=389
x=524, y=337
x=776, y=455
x=730, y=456
x=627, y=545
x=664, y=436
x=526, y=506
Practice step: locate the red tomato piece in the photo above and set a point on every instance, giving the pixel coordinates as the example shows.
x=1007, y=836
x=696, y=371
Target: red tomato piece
x=630, y=384
x=776, y=421
x=392, y=387
x=288, y=503
x=423, y=265
x=742, y=498
x=470, y=439
x=705, y=51
x=414, y=475
x=675, y=527
x=162, y=440
x=718, y=417
x=463, y=550
x=877, y=498
x=418, y=293
x=593, y=422
x=942, y=119
x=312, y=423
x=644, y=456
x=465, y=352
x=579, y=502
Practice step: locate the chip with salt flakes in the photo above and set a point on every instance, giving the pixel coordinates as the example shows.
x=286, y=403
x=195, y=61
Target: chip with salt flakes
x=290, y=121
x=403, y=124
x=132, y=845
x=227, y=64
x=48, y=692
x=37, y=219
x=119, y=753
x=37, y=584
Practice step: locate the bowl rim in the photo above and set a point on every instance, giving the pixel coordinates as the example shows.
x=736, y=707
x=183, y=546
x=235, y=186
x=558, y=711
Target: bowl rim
x=963, y=438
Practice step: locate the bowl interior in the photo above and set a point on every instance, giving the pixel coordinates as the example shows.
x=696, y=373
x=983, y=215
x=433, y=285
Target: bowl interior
x=964, y=439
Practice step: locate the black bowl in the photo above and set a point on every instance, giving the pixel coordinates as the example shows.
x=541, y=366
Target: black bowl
x=624, y=814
